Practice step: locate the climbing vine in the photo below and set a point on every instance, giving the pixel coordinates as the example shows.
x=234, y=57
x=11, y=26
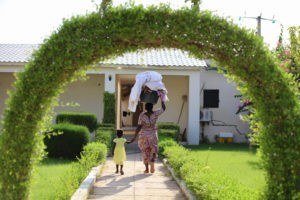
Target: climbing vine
x=84, y=40
x=109, y=102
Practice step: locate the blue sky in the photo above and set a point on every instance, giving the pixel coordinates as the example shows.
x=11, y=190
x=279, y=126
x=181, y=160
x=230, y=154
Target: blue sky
x=31, y=21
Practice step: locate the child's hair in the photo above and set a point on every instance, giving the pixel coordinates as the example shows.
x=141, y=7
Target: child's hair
x=119, y=133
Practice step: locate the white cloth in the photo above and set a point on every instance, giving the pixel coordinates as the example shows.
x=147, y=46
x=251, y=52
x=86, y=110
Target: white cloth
x=151, y=79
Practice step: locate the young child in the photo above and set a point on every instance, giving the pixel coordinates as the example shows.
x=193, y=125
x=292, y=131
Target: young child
x=119, y=151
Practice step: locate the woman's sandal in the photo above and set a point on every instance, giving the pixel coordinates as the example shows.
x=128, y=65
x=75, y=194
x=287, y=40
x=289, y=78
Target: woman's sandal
x=146, y=171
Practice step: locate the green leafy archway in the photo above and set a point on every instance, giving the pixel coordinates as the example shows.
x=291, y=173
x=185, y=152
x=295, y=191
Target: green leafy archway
x=84, y=40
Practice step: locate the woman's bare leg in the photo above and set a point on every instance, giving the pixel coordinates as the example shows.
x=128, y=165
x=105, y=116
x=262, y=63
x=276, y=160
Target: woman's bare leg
x=152, y=170
x=147, y=168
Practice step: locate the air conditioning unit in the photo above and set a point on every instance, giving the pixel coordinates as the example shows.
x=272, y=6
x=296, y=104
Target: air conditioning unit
x=205, y=116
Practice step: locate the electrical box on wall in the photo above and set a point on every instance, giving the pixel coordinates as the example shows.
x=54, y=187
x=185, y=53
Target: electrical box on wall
x=205, y=115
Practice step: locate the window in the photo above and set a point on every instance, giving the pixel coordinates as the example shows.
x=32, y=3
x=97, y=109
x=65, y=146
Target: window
x=211, y=99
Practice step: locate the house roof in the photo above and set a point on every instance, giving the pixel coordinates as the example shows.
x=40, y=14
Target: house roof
x=19, y=53
x=157, y=57
x=16, y=52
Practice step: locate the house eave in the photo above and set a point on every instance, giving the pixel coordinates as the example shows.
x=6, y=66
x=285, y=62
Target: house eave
x=147, y=67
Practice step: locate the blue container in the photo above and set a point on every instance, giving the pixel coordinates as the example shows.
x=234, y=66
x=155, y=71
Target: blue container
x=149, y=97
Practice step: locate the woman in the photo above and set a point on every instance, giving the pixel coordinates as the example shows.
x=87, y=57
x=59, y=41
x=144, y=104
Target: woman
x=148, y=141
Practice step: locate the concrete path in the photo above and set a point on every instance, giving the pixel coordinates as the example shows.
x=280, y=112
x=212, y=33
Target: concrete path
x=135, y=184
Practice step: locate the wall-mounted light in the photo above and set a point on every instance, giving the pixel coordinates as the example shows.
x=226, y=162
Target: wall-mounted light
x=109, y=77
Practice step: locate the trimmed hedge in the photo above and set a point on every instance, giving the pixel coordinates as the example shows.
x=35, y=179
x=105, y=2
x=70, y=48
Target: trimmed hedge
x=168, y=125
x=106, y=126
x=66, y=140
x=169, y=129
x=105, y=135
x=92, y=155
x=204, y=182
x=79, y=118
x=165, y=141
x=169, y=133
x=111, y=125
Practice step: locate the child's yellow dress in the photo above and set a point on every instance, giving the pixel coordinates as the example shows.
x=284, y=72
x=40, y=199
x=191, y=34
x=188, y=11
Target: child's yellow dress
x=119, y=152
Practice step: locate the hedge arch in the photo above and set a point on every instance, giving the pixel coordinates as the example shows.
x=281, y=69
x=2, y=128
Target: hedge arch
x=84, y=40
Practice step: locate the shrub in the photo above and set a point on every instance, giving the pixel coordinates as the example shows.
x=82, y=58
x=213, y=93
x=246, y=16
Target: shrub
x=108, y=125
x=169, y=129
x=165, y=142
x=66, y=140
x=168, y=125
x=169, y=133
x=79, y=118
x=105, y=136
x=93, y=154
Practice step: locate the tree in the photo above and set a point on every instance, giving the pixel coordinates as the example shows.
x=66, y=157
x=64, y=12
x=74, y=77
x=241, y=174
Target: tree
x=289, y=55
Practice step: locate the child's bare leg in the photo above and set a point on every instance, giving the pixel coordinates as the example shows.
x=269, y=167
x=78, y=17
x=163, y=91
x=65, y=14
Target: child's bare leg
x=117, y=169
x=121, y=170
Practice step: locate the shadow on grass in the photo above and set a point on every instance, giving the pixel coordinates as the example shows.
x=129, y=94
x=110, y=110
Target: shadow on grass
x=55, y=161
x=256, y=165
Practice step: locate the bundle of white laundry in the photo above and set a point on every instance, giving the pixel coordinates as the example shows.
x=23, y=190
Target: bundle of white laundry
x=151, y=79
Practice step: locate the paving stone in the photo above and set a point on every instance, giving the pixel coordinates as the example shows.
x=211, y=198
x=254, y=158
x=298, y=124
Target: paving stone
x=177, y=197
x=135, y=184
x=117, y=190
x=112, y=197
x=165, y=192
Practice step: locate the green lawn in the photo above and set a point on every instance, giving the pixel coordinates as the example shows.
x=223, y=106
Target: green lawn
x=235, y=160
x=47, y=178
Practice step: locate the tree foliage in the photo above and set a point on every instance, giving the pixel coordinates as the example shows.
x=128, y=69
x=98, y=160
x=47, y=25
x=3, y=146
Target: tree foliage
x=289, y=55
x=84, y=40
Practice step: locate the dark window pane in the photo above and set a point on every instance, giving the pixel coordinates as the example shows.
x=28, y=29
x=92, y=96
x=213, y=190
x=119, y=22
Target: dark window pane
x=211, y=99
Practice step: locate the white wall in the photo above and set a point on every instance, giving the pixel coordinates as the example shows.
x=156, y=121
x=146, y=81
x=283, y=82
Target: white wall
x=177, y=86
x=228, y=106
x=88, y=93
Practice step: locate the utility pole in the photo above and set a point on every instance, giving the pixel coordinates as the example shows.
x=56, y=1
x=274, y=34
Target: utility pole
x=258, y=19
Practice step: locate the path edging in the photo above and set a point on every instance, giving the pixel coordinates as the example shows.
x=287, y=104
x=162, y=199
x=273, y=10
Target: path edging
x=180, y=183
x=86, y=186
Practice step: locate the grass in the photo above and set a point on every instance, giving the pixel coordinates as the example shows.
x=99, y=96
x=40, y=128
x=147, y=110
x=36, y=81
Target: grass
x=46, y=181
x=235, y=160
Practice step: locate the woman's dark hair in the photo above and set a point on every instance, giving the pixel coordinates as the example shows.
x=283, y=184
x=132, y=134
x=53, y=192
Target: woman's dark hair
x=119, y=133
x=149, y=106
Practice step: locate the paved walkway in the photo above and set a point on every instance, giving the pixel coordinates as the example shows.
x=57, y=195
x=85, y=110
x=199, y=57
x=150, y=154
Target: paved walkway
x=135, y=184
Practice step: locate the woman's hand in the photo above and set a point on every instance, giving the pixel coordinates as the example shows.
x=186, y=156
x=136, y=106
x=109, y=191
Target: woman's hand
x=132, y=140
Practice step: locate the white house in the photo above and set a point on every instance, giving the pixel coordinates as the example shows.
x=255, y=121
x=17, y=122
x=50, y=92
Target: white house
x=195, y=90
